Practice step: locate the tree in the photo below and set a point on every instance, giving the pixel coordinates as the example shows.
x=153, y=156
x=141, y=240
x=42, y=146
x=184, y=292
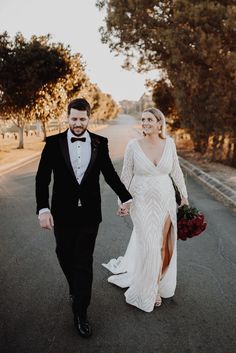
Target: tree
x=202, y=47
x=102, y=105
x=193, y=42
x=26, y=67
x=51, y=100
x=163, y=97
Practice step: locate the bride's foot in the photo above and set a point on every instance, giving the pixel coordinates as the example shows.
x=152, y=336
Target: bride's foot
x=158, y=301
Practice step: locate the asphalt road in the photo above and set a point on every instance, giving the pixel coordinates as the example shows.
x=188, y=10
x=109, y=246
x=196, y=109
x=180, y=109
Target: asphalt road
x=35, y=316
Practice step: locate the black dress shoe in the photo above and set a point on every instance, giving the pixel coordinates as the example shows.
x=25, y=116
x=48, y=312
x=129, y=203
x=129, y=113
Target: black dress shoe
x=83, y=327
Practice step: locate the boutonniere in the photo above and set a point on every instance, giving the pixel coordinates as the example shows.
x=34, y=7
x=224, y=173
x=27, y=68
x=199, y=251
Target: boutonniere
x=94, y=143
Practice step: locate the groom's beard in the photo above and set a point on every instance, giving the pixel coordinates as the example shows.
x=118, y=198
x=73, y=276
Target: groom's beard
x=78, y=133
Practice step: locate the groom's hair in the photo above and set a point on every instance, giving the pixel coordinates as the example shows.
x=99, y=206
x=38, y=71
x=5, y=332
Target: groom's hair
x=79, y=104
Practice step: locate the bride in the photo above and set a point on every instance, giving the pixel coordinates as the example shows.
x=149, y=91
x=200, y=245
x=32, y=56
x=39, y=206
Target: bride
x=148, y=268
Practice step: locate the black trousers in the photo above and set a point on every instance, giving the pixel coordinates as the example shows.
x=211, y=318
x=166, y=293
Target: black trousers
x=74, y=249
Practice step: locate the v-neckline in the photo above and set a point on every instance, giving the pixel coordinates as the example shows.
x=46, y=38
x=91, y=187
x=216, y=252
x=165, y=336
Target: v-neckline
x=155, y=166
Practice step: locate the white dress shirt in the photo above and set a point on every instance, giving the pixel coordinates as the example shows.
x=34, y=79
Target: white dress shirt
x=80, y=154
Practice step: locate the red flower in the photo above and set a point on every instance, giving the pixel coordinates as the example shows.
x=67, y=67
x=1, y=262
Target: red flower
x=190, y=222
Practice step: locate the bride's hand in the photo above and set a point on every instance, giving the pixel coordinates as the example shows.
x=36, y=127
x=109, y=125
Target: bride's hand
x=123, y=210
x=184, y=201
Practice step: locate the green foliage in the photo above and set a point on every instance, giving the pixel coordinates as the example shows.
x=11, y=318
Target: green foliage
x=51, y=100
x=163, y=97
x=187, y=212
x=38, y=78
x=102, y=105
x=26, y=66
x=194, y=43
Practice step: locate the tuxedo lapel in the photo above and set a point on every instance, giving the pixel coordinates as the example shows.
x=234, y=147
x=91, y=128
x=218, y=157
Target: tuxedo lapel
x=65, y=151
x=94, y=150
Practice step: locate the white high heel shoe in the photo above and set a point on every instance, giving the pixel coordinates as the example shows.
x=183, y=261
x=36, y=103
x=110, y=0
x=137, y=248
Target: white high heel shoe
x=158, y=301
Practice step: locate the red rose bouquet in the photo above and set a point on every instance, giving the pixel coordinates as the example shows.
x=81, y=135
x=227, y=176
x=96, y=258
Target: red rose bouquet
x=190, y=222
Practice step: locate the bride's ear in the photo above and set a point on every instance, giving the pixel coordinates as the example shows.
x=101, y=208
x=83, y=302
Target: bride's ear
x=162, y=131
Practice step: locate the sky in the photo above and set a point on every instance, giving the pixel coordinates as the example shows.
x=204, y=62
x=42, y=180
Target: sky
x=75, y=23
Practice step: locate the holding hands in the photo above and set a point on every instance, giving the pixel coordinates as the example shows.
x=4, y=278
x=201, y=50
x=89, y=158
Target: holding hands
x=123, y=209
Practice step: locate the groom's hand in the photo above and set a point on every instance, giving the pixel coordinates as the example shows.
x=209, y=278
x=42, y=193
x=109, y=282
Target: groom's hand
x=123, y=209
x=46, y=220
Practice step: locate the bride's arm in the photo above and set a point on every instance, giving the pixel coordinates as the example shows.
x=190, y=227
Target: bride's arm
x=177, y=175
x=128, y=166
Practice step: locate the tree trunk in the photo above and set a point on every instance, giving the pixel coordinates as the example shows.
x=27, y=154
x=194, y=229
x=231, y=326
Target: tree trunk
x=200, y=143
x=221, y=149
x=233, y=160
x=214, y=144
x=229, y=149
x=38, y=127
x=21, y=137
x=44, y=130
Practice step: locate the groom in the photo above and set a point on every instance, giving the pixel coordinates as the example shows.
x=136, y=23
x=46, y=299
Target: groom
x=76, y=157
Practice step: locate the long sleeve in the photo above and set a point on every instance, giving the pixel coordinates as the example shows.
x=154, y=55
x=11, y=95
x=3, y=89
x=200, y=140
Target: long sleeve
x=43, y=178
x=177, y=174
x=111, y=176
x=128, y=166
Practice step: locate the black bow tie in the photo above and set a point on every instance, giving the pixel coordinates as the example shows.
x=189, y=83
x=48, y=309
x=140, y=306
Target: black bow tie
x=73, y=139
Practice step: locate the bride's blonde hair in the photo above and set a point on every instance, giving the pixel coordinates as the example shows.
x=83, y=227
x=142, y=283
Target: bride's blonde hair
x=160, y=117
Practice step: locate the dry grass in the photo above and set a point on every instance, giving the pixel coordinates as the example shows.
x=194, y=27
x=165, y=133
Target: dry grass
x=10, y=153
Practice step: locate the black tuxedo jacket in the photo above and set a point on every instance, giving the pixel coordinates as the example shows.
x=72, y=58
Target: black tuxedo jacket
x=66, y=191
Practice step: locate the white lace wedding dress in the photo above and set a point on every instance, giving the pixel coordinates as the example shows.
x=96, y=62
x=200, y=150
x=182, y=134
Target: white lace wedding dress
x=153, y=201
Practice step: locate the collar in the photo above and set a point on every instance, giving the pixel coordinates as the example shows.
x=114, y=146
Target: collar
x=85, y=134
